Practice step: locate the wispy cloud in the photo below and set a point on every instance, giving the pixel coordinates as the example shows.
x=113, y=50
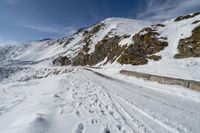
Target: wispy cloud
x=11, y=1
x=7, y=42
x=57, y=30
x=158, y=10
x=40, y=28
x=69, y=30
x=60, y=30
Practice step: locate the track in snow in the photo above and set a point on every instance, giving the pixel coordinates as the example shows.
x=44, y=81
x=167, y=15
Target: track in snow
x=84, y=101
x=148, y=110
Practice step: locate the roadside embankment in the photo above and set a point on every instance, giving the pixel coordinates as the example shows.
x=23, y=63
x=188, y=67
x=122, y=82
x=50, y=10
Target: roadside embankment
x=194, y=85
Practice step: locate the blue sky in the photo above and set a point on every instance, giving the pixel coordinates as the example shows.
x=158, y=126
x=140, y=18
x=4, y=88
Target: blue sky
x=27, y=20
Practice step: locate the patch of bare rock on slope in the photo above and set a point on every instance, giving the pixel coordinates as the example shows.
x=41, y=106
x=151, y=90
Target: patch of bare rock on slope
x=143, y=47
x=140, y=47
x=190, y=47
x=146, y=43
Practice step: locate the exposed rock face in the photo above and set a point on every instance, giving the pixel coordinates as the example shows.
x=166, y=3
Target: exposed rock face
x=190, y=47
x=62, y=61
x=68, y=41
x=154, y=57
x=160, y=25
x=83, y=58
x=110, y=41
x=196, y=21
x=186, y=16
x=146, y=43
x=108, y=47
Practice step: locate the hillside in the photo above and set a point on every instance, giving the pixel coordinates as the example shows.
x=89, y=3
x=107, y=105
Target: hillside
x=123, y=43
x=73, y=84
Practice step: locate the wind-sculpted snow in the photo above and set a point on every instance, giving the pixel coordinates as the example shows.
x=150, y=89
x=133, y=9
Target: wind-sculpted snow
x=70, y=102
x=25, y=73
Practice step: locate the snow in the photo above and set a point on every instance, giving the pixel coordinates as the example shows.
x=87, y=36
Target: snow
x=126, y=26
x=67, y=102
x=176, y=31
x=43, y=52
x=36, y=97
x=187, y=68
x=126, y=41
x=83, y=101
x=119, y=27
x=154, y=118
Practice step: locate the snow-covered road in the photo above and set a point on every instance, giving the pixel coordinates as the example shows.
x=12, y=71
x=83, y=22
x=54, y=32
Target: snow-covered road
x=83, y=101
x=147, y=110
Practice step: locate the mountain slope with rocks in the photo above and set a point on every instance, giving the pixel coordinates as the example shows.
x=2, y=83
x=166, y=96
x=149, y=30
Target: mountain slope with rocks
x=120, y=43
x=72, y=84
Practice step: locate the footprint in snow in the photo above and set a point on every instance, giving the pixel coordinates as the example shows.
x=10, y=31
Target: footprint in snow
x=80, y=128
x=56, y=96
x=93, y=121
x=119, y=127
x=39, y=125
x=78, y=113
x=106, y=130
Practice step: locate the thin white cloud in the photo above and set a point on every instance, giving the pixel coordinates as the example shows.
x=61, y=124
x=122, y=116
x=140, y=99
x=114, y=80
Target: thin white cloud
x=158, y=10
x=49, y=29
x=41, y=28
x=60, y=31
x=7, y=42
x=57, y=30
x=69, y=30
x=11, y=1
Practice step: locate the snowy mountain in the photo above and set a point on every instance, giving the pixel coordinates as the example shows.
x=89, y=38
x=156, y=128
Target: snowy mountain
x=53, y=86
x=71, y=45
x=117, y=41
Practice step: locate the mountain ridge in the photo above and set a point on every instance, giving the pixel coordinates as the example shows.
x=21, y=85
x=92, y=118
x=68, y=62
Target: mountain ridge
x=121, y=43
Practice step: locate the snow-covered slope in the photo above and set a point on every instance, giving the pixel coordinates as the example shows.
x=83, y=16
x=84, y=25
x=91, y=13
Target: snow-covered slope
x=104, y=44
x=37, y=95
x=186, y=68
x=69, y=46
x=39, y=50
x=117, y=26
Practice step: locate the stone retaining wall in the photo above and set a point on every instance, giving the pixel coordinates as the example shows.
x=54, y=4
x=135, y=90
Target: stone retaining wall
x=194, y=85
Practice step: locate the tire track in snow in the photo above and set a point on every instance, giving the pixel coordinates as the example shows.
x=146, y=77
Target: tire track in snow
x=169, y=123
x=154, y=118
x=143, y=128
x=113, y=116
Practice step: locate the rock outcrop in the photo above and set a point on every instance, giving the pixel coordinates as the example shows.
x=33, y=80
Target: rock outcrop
x=187, y=16
x=102, y=43
x=190, y=47
x=108, y=47
x=146, y=43
x=62, y=60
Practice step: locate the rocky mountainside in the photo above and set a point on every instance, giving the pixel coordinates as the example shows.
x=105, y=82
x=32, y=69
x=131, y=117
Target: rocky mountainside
x=91, y=81
x=117, y=42
x=133, y=42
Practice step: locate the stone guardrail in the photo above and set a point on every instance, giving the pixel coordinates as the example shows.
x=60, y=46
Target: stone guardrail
x=194, y=85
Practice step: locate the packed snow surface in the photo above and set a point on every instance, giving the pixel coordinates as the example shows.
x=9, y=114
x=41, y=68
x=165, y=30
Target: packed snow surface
x=36, y=97
x=83, y=101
